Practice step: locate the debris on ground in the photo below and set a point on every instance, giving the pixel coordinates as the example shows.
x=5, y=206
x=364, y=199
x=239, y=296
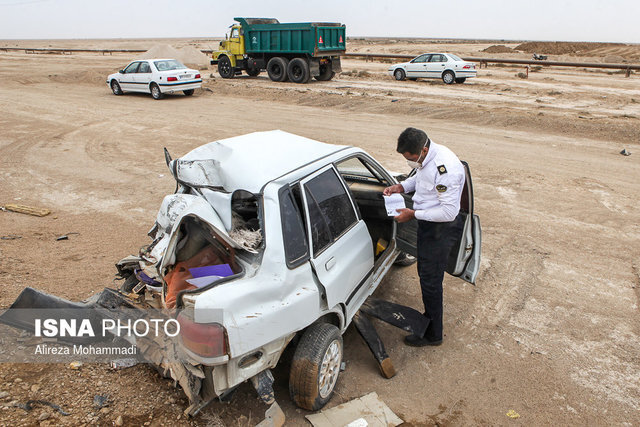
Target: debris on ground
x=123, y=363
x=100, y=401
x=368, y=408
x=75, y=365
x=624, y=152
x=10, y=237
x=65, y=236
x=29, y=405
x=513, y=414
x=26, y=209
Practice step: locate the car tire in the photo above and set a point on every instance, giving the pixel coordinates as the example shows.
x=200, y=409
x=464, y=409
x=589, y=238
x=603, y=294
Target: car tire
x=156, y=93
x=399, y=74
x=315, y=366
x=298, y=70
x=448, y=77
x=253, y=72
x=277, y=69
x=115, y=87
x=188, y=92
x=326, y=73
x=461, y=80
x=225, y=69
x=405, y=260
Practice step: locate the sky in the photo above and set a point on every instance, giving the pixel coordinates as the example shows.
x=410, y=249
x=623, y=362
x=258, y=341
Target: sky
x=561, y=20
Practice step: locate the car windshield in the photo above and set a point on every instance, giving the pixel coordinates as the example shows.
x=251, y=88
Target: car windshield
x=454, y=57
x=168, y=64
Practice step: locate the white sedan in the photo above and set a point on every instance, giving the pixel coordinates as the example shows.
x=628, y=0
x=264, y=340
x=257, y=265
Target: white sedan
x=446, y=66
x=155, y=76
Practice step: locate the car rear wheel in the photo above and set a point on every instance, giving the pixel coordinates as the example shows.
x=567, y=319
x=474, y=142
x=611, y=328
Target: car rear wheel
x=155, y=91
x=298, y=70
x=399, y=74
x=224, y=68
x=404, y=259
x=188, y=92
x=461, y=80
x=326, y=73
x=277, y=69
x=448, y=77
x=316, y=366
x=115, y=88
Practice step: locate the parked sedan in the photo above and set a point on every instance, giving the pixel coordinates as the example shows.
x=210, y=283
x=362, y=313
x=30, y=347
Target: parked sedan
x=155, y=76
x=446, y=66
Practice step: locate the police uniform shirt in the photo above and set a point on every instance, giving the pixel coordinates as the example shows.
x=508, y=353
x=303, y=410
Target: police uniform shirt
x=438, y=185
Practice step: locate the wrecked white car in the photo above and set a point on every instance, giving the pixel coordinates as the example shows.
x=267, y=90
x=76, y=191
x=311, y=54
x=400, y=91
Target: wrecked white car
x=271, y=240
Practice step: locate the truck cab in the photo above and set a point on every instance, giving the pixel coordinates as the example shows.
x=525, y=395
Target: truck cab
x=232, y=46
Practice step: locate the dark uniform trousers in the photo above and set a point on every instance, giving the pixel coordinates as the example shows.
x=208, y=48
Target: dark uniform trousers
x=435, y=240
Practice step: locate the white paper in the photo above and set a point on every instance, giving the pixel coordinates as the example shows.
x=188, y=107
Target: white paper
x=199, y=282
x=394, y=202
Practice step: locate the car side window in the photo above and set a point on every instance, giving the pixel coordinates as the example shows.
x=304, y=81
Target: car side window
x=436, y=58
x=329, y=208
x=293, y=232
x=132, y=68
x=422, y=58
x=144, y=68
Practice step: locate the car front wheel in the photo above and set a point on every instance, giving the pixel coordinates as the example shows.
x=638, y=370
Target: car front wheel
x=399, y=74
x=115, y=87
x=155, y=91
x=316, y=366
x=448, y=77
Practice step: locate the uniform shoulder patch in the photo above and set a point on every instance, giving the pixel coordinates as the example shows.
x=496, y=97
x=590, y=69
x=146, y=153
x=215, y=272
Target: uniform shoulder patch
x=441, y=188
x=442, y=169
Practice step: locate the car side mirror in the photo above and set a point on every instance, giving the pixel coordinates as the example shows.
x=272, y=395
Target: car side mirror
x=121, y=71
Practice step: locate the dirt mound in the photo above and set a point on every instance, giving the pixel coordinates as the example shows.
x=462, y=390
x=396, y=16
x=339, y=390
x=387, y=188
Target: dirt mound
x=562, y=48
x=93, y=77
x=188, y=55
x=498, y=48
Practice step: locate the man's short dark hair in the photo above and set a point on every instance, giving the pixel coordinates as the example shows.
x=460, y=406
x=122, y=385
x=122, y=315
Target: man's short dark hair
x=411, y=140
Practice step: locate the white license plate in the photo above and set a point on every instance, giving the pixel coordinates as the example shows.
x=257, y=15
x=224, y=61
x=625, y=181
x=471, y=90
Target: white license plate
x=185, y=76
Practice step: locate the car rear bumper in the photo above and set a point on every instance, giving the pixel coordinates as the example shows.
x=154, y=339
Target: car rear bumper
x=180, y=86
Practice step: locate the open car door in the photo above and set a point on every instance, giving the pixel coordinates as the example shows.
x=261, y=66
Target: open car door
x=464, y=259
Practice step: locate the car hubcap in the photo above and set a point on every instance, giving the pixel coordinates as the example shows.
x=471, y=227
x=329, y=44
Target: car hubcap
x=155, y=91
x=448, y=78
x=330, y=369
x=398, y=75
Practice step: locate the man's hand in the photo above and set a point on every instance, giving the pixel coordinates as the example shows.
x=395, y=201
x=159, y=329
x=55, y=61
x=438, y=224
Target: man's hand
x=405, y=215
x=397, y=188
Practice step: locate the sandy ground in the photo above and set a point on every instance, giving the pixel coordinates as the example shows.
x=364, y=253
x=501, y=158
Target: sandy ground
x=551, y=329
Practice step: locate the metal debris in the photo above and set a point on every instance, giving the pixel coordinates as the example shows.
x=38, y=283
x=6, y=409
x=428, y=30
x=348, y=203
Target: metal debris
x=10, y=237
x=123, y=363
x=624, y=152
x=26, y=209
x=100, y=401
x=29, y=406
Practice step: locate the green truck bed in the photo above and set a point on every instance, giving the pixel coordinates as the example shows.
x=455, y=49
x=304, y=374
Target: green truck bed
x=312, y=38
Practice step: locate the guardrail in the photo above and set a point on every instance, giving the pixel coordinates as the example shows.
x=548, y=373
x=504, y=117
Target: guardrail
x=485, y=61
x=70, y=51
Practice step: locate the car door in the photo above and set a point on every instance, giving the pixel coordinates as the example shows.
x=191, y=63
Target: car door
x=418, y=67
x=436, y=65
x=127, y=79
x=143, y=77
x=464, y=258
x=341, y=249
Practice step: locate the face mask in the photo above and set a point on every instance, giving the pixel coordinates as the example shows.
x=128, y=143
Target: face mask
x=418, y=164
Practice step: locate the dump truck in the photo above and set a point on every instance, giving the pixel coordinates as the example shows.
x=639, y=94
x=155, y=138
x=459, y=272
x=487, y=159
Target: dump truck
x=287, y=51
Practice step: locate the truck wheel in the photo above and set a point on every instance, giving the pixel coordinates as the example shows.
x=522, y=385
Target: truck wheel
x=316, y=366
x=277, y=69
x=298, y=70
x=115, y=87
x=156, y=93
x=253, y=72
x=448, y=77
x=326, y=73
x=224, y=68
x=461, y=80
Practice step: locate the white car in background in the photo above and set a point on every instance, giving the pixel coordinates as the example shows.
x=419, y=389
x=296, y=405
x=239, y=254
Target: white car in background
x=446, y=66
x=155, y=76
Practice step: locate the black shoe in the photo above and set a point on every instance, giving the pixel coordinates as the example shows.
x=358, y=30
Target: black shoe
x=416, y=341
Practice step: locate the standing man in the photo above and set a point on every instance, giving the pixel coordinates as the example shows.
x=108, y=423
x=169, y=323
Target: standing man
x=438, y=185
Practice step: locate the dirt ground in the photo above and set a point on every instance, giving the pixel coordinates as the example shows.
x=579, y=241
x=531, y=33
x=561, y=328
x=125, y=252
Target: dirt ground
x=551, y=329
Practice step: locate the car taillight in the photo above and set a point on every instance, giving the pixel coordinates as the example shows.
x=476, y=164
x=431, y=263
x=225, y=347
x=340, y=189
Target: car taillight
x=197, y=76
x=172, y=79
x=467, y=66
x=204, y=339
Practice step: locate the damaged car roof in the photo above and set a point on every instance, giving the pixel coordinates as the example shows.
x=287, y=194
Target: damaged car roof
x=250, y=161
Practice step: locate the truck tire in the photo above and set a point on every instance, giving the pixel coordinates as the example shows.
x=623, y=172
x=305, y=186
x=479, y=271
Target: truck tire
x=316, y=366
x=298, y=70
x=326, y=73
x=277, y=69
x=225, y=69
